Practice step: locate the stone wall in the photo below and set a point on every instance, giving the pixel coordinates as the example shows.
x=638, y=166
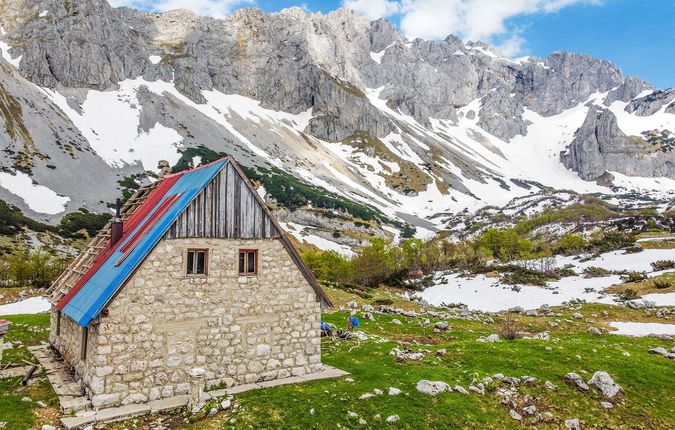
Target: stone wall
x=69, y=344
x=239, y=329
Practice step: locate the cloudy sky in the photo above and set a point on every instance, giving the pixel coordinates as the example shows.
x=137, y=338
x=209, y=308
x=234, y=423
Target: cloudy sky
x=636, y=35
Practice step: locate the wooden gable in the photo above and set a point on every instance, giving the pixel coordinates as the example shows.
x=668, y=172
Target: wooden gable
x=227, y=208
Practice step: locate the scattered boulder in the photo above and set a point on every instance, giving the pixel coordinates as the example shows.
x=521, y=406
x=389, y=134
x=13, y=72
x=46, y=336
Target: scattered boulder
x=460, y=389
x=515, y=415
x=576, y=381
x=606, y=405
x=662, y=351
x=553, y=324
x=517, y=309
x=394, y=391
x=26, y=399
x=367, y=308
x=539, y=336
x=396, y=321
x=530, y=410
x=577, y=316
x=225, y=404
x=441, y=352
x=550, y=385
x=594, y=330
x=367, y=316
x=352, y=305
x=603, y=382
x=490, y=339
x=432, y=388
x=441, y=326
x=479, y=389
x=48, y=427
x=366, y=396
x=378, y=392
x=573, y=424
x=351, y=414
x=407, y=354
x=392, y=419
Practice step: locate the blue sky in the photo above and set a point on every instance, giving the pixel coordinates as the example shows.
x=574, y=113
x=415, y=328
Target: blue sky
x=636, y=35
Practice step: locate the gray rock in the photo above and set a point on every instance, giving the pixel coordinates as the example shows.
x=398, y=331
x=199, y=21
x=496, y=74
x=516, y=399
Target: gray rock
x=573, y=424
x=515, y=415
x=392, y=419
x=489, y=339
x=432, y=388
x=603, y=382
x=530, y=410
x=663, y=351
x=651, y=103
x=48, y=427
x=576, y=381
x=606, y=405
x=441, y=326
x=225, y=404
x=600, y=146
x=460, y=389
x=394, y=391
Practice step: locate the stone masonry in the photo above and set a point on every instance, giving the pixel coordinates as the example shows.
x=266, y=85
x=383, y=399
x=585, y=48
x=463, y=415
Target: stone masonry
x=239, y=329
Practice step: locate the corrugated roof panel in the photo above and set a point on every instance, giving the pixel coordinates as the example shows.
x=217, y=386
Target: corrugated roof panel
x=104, y=281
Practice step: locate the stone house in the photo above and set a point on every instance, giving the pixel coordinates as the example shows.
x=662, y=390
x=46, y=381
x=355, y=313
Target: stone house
x=193, y=272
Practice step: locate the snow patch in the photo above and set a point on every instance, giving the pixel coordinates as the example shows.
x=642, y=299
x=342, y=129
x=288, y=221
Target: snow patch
x=640, y=329
x=32, y=305
x=4, y=50
x=37, y=197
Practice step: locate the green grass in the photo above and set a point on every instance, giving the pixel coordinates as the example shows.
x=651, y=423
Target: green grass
x=27, y=329
x=19, y=414
x=647, y=402
x=647, y=379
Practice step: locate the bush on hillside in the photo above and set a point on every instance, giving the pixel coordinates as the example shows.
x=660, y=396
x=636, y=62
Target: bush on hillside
x=659, y=265
x=73, y=224
x=633, y=276
x=662, y=284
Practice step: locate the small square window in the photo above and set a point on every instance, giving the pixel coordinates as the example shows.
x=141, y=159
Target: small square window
x=248, y=262
x=197, y=262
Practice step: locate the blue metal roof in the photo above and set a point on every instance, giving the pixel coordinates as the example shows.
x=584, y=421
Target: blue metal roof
x=102, y=286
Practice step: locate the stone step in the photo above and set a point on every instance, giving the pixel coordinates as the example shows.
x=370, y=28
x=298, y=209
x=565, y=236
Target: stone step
x=70, y=405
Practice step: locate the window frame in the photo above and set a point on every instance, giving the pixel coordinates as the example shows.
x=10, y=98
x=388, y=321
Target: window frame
x=206, y=262
x=84, y=344
x=256, y=265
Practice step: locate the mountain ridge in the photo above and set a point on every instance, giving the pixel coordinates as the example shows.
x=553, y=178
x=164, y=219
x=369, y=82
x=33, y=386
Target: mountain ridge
x=411, y=128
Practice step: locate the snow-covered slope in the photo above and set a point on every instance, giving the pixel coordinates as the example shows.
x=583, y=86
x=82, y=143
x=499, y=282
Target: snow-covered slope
x=413, y=129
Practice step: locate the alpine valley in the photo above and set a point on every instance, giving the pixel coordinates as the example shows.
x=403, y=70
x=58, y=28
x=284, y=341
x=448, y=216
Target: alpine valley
x=349, y=130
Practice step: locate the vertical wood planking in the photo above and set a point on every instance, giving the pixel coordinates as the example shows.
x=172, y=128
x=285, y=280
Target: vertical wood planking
x=226, y=208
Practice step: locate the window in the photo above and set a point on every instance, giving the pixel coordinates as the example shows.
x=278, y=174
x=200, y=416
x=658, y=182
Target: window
x=248, y=262
x=58, y=323
x=83, y=350
x=197, y=262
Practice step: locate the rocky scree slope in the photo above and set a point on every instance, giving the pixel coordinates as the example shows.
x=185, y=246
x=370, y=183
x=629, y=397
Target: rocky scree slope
x=93, y=97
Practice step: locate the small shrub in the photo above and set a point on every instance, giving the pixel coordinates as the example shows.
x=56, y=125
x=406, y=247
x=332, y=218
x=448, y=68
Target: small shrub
x=509, y=328
x=595, y=272
x=633, y=277
x=565, y=271
x=662, y=284
x=513, y=275
x=659, y=265
x=629, y=294
x=383, y=302
x=633, y=249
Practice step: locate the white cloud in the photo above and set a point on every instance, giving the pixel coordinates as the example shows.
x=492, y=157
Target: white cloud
x=471, y=19
x=372, y=9
x=215, y=8
x=482, y=20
